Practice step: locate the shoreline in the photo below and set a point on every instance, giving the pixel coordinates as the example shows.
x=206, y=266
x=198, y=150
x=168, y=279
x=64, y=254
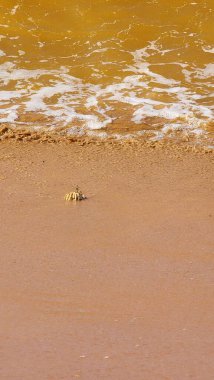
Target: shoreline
x=119, y=286
x=183, y=143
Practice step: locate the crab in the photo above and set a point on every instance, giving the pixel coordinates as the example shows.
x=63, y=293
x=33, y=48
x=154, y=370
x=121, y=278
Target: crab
x=76, y=195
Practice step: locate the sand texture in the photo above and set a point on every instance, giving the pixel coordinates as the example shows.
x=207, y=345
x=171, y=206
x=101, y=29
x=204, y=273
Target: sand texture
x=117, y=287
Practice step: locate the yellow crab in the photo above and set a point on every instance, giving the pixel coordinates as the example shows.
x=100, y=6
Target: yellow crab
x=76, y=195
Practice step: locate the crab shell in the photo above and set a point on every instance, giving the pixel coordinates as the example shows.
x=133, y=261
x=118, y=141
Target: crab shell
x=76, y=196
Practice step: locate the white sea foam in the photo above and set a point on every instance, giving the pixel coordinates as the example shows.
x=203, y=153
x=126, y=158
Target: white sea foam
x=10, y=114
x=91, y=101
x=208, y=49
x=8, y=72
x=143, y=68
x=21, y=52
x=206, y=72
x=7, y=95
x=36, y=101
x=14, y=9
x=64, y=96
x=94, y=123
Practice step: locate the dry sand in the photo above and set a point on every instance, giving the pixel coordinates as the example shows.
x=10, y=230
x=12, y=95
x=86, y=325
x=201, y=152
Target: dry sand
x=119, y=286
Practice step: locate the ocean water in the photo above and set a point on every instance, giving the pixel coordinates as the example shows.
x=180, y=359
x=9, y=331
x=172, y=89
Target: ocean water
x=109, y=67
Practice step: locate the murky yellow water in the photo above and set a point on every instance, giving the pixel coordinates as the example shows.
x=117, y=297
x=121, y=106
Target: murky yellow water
x=108, y=66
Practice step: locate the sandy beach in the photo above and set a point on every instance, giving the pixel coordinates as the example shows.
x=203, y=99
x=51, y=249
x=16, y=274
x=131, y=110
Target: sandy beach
x=117, y=98
x=119, y=286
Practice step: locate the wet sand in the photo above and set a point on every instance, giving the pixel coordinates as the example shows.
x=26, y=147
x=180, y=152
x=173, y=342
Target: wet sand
x=117, y=287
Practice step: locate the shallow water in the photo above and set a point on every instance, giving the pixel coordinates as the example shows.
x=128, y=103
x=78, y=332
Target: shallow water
x=108, y=67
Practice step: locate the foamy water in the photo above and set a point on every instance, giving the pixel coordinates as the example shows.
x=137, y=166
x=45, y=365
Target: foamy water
x=108, y=67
